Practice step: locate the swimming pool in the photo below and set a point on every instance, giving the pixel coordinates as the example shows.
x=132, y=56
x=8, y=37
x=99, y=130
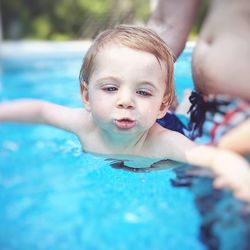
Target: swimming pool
x=53, y=196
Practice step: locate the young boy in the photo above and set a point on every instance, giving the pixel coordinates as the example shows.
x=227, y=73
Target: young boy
x=126, y=84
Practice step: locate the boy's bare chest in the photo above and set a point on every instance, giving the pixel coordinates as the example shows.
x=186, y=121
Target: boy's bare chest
x=93, y=143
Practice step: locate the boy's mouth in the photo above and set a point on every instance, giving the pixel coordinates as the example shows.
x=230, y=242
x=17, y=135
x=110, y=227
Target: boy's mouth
x=125, y=123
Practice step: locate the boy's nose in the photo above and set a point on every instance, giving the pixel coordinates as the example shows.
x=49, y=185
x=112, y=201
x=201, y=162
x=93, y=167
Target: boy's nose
x=125, y=100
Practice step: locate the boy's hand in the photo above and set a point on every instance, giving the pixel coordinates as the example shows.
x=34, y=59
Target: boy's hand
x=233, y=172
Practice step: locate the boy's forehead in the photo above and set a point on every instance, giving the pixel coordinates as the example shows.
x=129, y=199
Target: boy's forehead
x=122, y=61
x=122, y=52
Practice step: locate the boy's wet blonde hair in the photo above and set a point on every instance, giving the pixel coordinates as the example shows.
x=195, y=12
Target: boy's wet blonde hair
x=134, y=37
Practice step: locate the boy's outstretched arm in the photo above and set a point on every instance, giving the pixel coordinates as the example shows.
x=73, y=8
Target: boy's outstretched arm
x=36, y=111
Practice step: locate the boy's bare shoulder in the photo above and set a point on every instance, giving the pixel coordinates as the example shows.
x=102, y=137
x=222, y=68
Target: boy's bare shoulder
x=173, y=138
x=81, y=119
x=164, y=134
x=74, y=120
x=169, y=143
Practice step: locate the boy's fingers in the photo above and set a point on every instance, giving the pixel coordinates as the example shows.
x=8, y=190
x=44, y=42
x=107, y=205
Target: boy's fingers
x=243, y=195
x=220, y=182
x=240, y=191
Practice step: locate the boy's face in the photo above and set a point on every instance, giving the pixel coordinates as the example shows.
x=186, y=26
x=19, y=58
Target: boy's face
x=126, y=90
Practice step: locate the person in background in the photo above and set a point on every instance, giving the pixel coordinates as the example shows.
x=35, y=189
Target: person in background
x=220, y=66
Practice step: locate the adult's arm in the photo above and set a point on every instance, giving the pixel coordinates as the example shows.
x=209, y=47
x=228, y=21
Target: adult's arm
x=173, y=20
x=237, y=139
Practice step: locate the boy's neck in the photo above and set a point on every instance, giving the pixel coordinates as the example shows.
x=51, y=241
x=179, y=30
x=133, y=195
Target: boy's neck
x=123, y=143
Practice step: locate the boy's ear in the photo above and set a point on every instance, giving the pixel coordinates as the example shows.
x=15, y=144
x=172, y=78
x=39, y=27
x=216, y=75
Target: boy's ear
x=85, y=95
x=164, y=107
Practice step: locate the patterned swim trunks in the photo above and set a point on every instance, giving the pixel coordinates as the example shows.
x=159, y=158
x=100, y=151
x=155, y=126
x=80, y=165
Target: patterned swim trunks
x=213, y=116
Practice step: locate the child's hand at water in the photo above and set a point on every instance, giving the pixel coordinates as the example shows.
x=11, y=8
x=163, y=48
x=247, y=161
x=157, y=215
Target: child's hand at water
x=231, y=170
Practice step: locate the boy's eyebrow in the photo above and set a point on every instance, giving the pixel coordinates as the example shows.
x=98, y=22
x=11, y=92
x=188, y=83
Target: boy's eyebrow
x=113, y=78
x=118, y=80
x=150, y=84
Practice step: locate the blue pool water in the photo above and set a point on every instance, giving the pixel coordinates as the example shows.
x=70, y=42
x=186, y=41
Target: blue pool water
x=53, y=196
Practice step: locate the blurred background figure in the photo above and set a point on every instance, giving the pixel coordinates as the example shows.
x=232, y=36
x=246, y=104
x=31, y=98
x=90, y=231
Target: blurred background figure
x=221, y=56
x=220, y=65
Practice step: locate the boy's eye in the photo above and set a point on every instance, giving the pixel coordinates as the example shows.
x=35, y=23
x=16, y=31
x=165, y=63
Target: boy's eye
x=143, y=93
x=109, y=88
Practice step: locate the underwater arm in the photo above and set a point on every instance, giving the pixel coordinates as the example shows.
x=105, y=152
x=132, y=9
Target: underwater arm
x=173, y=20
